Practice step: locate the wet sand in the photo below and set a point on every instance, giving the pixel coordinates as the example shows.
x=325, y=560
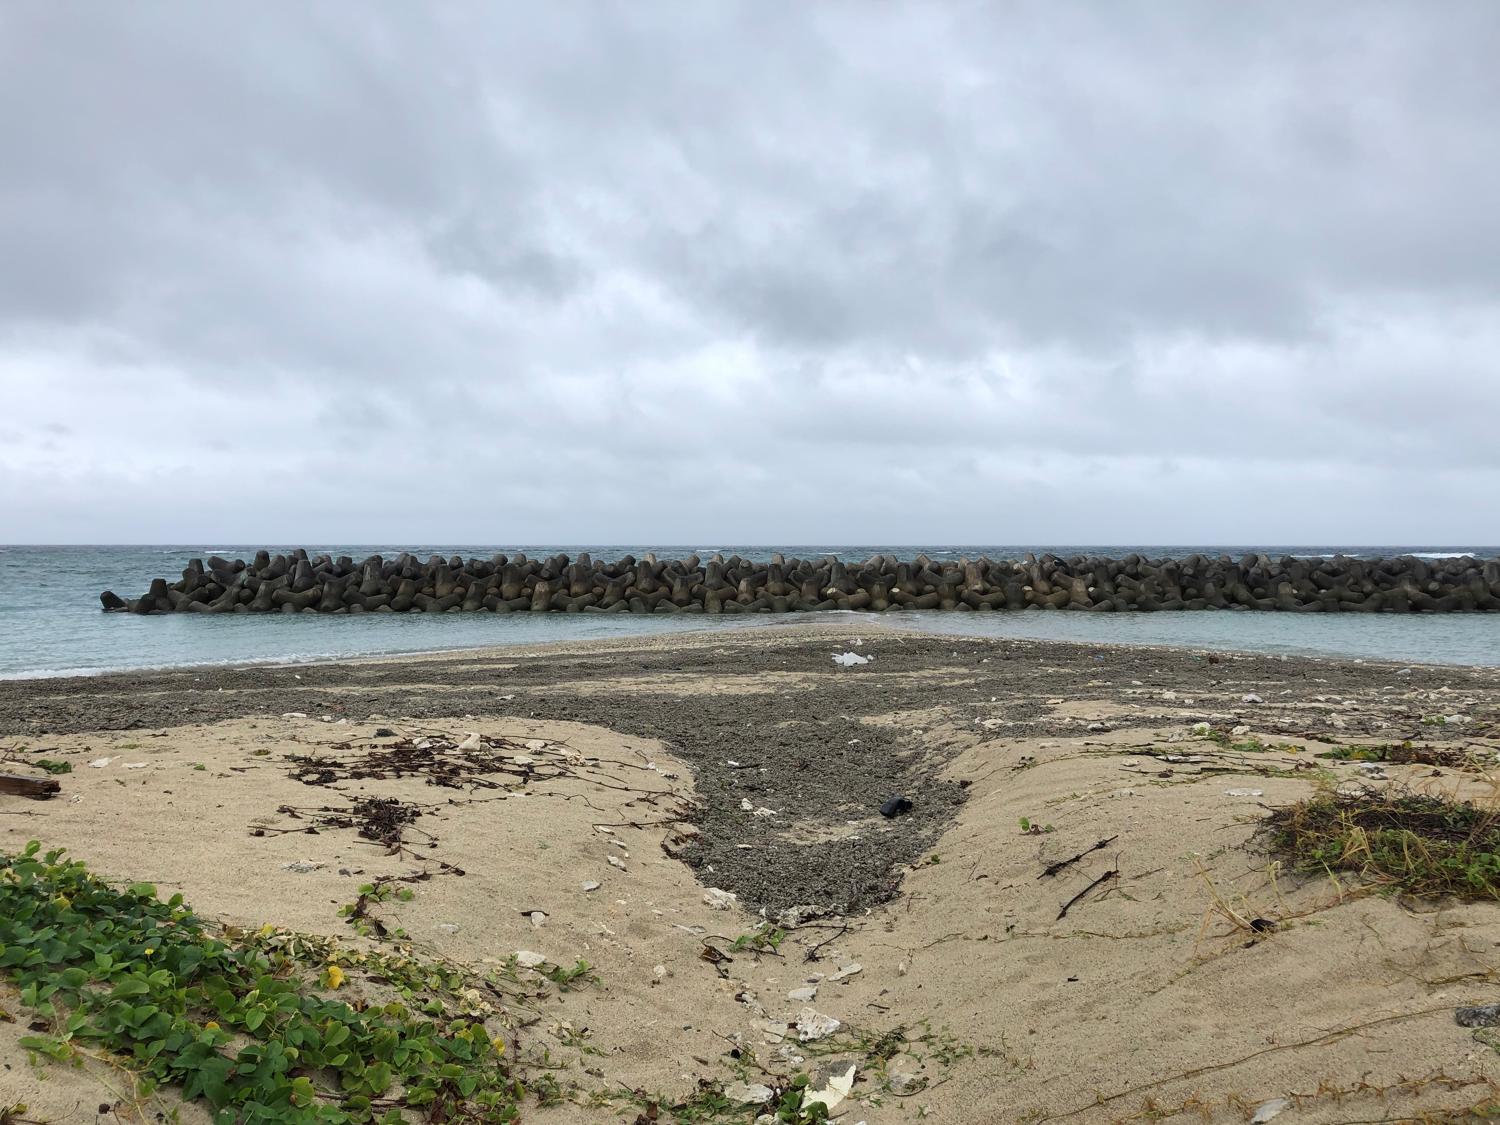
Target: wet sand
x=753, y=763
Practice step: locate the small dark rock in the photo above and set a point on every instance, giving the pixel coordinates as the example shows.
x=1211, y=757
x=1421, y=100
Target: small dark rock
x=1262, y=925
x=895, y=806
x=384, y=732
x=1485, y=1015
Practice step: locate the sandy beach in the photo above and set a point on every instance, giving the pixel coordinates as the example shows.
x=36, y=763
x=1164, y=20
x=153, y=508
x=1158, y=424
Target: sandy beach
x=698, y=818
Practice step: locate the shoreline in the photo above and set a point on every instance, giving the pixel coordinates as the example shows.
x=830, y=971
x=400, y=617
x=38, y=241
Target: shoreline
x=831, y=621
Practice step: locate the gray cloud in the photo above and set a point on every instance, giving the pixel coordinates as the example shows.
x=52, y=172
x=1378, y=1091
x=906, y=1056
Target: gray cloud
x=951, y=271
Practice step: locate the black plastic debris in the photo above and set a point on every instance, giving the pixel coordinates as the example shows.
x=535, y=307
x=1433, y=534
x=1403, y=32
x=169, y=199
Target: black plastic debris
x=895, y=806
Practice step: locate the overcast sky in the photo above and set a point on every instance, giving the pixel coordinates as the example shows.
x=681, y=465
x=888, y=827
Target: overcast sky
x=699, y=272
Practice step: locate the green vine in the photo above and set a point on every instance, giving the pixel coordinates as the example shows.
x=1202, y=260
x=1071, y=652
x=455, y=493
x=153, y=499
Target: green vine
x=234, y=1024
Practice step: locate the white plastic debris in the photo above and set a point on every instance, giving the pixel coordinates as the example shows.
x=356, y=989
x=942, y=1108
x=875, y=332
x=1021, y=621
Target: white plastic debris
x=1267, y=1110
x=529, y=960
x=538, y=918
x=847, y=971
x=849, y=659
x=749, y=1093
x=835, y=1088
x=1251, y=697
x=812, y=1025
x=100, y=763
x=135, y=765
x=721, y=899
x=903, y=1083
x=1244, y=792
x=294, y=714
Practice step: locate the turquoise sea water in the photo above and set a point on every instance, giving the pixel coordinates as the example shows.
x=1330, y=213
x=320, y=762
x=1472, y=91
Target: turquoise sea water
x=51, y=624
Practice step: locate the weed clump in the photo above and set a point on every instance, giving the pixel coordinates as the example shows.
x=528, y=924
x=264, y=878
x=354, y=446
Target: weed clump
x=1415, y=844
x=1400, y=754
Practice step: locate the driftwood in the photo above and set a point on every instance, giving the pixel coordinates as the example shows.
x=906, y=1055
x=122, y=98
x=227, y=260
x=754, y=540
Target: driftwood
x=1106, y=877
x=1065, y=863
x=37, y=788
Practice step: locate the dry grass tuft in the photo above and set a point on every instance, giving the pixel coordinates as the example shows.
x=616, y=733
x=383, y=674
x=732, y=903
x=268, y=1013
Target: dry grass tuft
x=1417, y=844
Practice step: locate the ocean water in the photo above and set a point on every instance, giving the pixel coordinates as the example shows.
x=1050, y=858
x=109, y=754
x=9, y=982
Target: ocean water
x=51, y=624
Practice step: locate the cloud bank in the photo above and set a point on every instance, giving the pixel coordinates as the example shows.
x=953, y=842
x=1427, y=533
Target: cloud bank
x=836, y=273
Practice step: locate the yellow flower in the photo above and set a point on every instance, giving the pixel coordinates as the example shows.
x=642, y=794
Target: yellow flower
x=211, y=1025
x=333, y=976
x=149, y=951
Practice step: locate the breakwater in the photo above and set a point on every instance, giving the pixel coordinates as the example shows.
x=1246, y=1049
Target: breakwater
x=297, y=583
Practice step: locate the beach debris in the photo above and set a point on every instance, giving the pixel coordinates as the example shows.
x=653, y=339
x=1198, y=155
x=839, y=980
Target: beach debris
x=659, y=974
x=527, y=959
x=100, y=763
x=538, y=918
x=301, y=866
x=590, y=885
x=37, y=788
x=1244, y=792
x=749, y=1093
x=849, y=659
x=747, y=806
x=812, y=1025
x=135, y=765
x=616, y=861
x=895, y=805
x=1113, y=873
x=1251, y=697
x=1403, y=671
x=846, y=971
x=447, y=927
x=294, y=714
x=383, y=820
x=720, y=899
x=438, y=761
x=1063, y=864
x=1481, y=1015
x=1097, y=727
x=1267, y=1110
x=903, y=1083
x=793, y=916
x=1203, y=728
x=830, y=1085
x=804, y=995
